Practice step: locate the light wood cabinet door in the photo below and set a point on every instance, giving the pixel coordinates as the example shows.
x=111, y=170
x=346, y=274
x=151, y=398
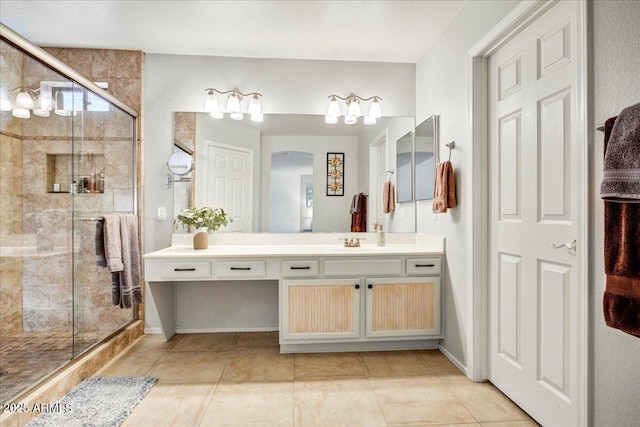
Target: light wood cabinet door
x=320, y=309
x=403, y=307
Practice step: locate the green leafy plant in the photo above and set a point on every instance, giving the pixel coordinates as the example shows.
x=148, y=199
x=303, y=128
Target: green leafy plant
x=207, y=217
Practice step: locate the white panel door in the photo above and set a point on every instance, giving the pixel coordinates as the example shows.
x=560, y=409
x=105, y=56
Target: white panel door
x=228, y=183
x=533, y=199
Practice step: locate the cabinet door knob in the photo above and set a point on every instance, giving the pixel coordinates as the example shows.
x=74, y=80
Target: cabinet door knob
x=370, y=286
x=357, y=286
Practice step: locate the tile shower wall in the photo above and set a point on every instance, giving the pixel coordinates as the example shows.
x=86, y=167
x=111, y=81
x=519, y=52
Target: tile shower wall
x=10, y=202
x=36, y=290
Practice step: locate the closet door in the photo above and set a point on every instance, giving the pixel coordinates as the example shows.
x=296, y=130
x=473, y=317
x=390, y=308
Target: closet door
x=534, y=218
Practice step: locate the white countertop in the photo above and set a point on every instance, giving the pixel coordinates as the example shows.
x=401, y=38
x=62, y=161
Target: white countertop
x=414, y=244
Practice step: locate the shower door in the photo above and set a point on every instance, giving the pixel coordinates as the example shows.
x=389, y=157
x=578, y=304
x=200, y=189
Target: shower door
x=102, y=182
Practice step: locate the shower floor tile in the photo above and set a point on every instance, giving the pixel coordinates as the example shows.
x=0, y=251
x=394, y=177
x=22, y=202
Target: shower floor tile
x=29, y=356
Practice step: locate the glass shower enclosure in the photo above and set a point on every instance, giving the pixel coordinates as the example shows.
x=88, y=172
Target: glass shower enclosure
x=67, y=156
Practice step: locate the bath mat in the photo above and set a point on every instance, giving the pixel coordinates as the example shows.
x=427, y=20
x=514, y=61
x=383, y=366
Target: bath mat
x=96, y=402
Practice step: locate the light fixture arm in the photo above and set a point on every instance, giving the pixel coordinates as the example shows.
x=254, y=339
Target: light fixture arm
x=232, y=91
x=355, y=97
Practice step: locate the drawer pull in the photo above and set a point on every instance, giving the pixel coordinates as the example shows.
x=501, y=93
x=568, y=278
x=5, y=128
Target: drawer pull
x=185, y=269
x=425, y=265
x=241, y=268
x=300, y=268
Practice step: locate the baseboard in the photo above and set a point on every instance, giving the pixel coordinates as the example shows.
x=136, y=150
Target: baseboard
x=359, y=346
x=453, y=359
x=152, y=331
x=214, y=330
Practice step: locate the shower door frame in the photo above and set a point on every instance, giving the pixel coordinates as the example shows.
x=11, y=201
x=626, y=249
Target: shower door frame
x=28, y=48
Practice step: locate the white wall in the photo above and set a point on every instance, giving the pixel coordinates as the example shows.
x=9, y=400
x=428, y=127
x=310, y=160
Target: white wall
x=176, y=83
x=441, y=88
x=615, y=356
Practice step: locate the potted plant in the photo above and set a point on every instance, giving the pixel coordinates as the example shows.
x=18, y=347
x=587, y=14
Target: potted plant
x=202, y=221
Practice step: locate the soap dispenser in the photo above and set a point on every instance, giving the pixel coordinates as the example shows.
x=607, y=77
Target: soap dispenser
x=381, y=238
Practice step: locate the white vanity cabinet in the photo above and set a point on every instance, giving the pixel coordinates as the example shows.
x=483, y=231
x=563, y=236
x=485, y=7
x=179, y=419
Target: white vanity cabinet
x=319, y=309
x=329, y=298
x=403, y=307
x=400, y=301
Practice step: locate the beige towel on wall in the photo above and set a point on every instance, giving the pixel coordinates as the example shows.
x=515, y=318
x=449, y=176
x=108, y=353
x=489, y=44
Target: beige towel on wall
x=388, y=197
x=444, y=191
x=130, y=289
x=113, y=254
x=122, y=252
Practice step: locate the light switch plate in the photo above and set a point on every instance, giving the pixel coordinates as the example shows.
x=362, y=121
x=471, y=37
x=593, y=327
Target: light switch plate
x=162, y=213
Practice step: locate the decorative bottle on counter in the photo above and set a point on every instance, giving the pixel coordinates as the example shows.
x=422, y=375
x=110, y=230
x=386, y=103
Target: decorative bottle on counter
x=381, y=237
x=92, y=183
x=101, y=183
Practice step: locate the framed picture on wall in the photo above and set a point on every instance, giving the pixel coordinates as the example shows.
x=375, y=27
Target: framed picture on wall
x=335, y=174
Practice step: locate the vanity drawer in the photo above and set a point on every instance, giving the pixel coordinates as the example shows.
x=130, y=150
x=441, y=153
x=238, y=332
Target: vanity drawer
x=186, y=270
x=300, y=268
x=363, y=267
x=240, y=269
x=423, y=266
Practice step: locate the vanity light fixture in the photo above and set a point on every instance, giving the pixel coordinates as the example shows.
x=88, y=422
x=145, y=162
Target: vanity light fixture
x=233, y=105
x=353, y=109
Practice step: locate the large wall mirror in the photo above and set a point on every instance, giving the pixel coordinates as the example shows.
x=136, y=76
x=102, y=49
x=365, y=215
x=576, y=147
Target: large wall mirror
x=426, y=146
x=272, y=176
x=404, y=168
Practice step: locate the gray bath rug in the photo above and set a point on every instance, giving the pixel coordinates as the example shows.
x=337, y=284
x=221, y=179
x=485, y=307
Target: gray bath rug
x=95, y=402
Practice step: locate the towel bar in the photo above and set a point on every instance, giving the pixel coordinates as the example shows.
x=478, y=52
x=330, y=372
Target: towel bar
x=91, y=219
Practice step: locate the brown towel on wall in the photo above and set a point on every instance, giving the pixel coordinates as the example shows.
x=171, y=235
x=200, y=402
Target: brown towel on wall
x=444, y=190
x=621, y=178
x=621, y=301
x=388, y=197
x=359, y=218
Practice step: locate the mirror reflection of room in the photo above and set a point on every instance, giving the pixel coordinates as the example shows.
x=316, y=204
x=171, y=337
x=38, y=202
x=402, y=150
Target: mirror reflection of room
x=240, y=166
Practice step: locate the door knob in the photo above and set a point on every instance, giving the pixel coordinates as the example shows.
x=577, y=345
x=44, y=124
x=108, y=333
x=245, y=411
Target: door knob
x=572, y=246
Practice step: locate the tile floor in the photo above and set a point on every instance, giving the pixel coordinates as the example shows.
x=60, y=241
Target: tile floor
x=27, y=357
x=240, y=379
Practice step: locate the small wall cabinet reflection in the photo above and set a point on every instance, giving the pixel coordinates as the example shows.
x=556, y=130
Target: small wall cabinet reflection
x=404, y=168
x=425, y=156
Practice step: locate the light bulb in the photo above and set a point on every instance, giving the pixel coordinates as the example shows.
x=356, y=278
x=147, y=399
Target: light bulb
x=24, y=100
x=350, y=120
x=354, y=108
x=233, y=104
x=236, y=115
x=368, y=120
x=257, y=117
x=217, y=114
x=21, y=113
x=375, y=110
x=254, y=106
x=334, y=108
x=330, y=120
x=211, y=102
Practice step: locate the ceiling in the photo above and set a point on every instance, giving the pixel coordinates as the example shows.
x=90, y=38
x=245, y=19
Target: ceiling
x=378, y=31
